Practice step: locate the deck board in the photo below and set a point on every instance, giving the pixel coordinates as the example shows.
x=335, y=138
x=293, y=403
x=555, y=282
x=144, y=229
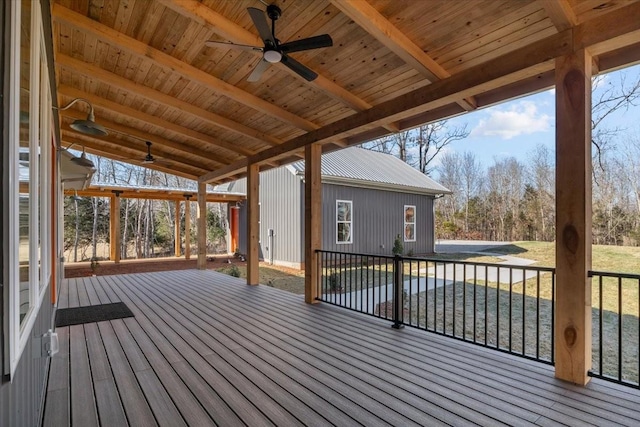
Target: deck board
x=83, y=404
x=205, y=349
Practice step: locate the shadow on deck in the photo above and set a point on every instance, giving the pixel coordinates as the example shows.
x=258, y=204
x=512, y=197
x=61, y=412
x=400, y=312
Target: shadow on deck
x=205, y=349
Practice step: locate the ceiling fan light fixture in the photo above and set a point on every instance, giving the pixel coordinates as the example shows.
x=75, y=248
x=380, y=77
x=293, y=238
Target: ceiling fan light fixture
x=272, y=56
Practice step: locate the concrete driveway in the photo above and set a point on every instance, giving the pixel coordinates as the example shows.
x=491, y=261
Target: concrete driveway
x=451, y=246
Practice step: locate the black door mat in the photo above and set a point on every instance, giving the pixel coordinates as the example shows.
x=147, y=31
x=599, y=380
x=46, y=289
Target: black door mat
x=92, y=313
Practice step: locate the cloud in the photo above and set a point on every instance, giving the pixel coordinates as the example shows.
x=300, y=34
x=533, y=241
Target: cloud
x=522, y=118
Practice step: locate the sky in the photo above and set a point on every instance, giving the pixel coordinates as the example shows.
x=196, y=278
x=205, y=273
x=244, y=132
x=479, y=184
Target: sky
x=516, y=127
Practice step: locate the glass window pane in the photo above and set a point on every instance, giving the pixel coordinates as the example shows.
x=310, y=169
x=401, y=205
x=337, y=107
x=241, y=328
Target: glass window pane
x=409, y=214
x=409, y=232
x=24, y=169
x=42, y=159
x=344, y=232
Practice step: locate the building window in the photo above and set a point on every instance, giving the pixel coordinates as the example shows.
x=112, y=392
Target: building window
x=28, y=163
x=344, y=224
x=409, y=223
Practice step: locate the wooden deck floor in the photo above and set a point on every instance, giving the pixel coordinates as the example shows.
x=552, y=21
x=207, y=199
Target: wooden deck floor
x=205, y=349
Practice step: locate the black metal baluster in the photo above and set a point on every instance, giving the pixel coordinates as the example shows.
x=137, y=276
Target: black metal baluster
x=619, y=328
x=600, y=336
x=464, y=302
x=498, y=309
x=435, y=299
x=486, y=298
x=510, y=306
x=475, y=302
x=453, y=304
x=444, y=298
x=538, y=315
x=524, y=310
x=553, y=316
x=418, y=296
x=410, y=291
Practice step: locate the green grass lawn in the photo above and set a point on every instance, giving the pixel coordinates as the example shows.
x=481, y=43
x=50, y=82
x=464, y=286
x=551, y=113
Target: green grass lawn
x=619, y=259
x=286, y=279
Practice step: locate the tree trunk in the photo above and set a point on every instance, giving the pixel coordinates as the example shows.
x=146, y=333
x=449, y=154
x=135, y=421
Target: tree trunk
x=77, y=235
x=139, y=253
x=94, y=230
x=123, y=248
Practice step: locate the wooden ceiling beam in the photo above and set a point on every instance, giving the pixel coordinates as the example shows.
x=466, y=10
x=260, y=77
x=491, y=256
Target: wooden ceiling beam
x=560, y=13
x=140, y=49
x=116, y=153
x=131, y=113
x=95, y=72
x=373, y=22
x=140, y=150
x=235, y=33
x=211, y=160
x=143, y=193
x=538, y=57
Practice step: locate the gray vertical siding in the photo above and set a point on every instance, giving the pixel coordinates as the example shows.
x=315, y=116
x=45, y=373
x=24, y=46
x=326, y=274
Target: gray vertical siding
x=378, y=217
x=21, y=400
x=280, y=210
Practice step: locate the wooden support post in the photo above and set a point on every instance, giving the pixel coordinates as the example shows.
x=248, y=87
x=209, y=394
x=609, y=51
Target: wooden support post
x=114, y=227
x=176, y=233
x=312, y=221
x=187, y=228
x=202, y=226
x=253, y=224
x=573, y=217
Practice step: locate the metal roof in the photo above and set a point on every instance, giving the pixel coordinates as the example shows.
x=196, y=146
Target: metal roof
x=365, y=168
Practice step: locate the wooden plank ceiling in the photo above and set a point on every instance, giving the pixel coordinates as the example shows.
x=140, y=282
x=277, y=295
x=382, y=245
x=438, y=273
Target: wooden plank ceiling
x=144, y=66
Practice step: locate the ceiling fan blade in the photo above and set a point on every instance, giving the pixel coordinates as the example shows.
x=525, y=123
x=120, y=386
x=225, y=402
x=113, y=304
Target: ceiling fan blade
x=229, y=45
x=302, y=70
x=316, y=42
x=260, y=21
x=257, y=72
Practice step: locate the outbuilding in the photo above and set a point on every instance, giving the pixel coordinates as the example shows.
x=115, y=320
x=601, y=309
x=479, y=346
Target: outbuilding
x=368, y=200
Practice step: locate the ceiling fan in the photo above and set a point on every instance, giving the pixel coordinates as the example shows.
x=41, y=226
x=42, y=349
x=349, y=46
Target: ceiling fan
x=274, y=51
x=149, y=159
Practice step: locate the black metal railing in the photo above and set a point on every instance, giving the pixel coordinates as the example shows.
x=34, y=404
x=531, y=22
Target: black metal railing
x=616, y=327
x=357, y=281
x=506, y=307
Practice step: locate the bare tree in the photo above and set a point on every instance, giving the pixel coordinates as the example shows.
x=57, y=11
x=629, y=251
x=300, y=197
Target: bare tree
x=631, y=167
x=612, y=96
x=541, y=175
x=424, y=143
x=432, y=138
x=449, y=176
x=471, y=177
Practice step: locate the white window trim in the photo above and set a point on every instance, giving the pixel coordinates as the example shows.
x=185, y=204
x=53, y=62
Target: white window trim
x=14, y=182
x=45, y=175
x=19, y=334
x=404, y=219
x=350, y=242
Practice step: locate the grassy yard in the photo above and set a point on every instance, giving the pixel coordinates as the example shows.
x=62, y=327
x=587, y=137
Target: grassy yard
x=287, y=279
x=620, y=259
x=619, y=323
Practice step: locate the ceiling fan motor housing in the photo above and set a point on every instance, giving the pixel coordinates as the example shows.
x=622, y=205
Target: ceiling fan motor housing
x=273, y=12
